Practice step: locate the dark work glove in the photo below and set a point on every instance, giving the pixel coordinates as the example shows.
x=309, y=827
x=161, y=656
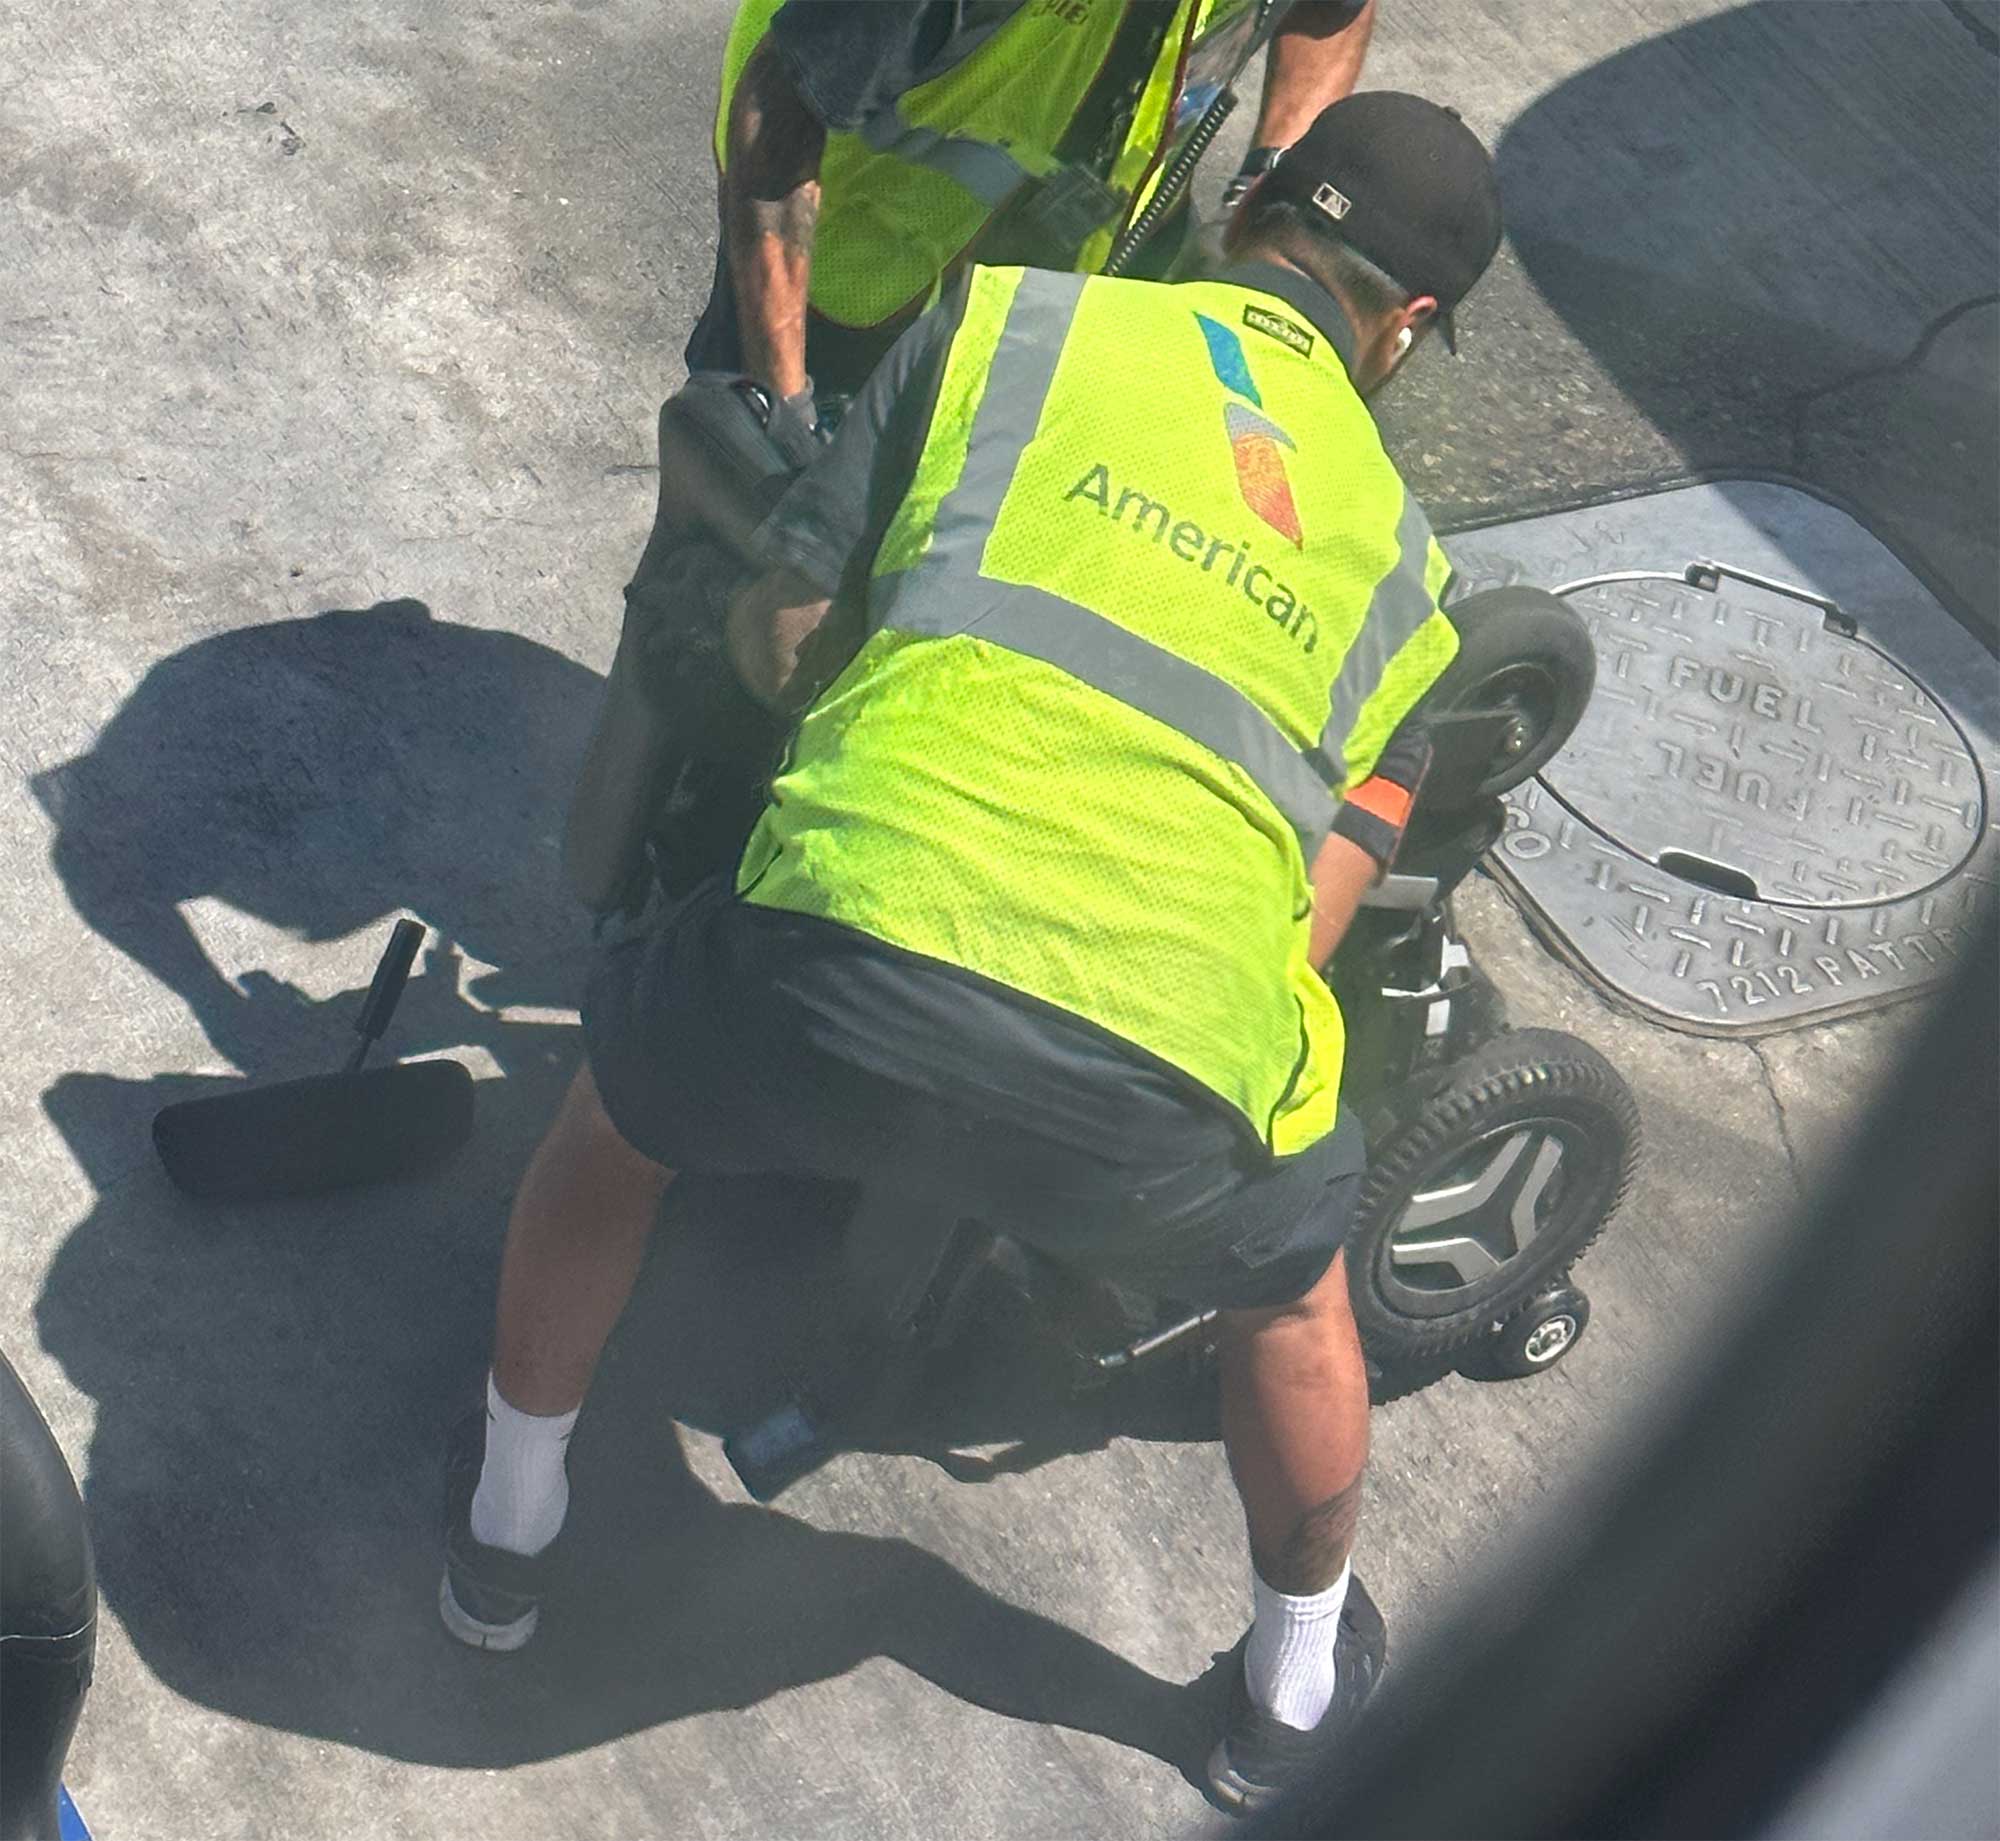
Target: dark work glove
x=1375, y=813
x=794, y=427
x=1256, y=163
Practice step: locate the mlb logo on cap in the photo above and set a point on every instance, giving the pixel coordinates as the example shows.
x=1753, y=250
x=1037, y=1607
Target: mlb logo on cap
x=1334, y=204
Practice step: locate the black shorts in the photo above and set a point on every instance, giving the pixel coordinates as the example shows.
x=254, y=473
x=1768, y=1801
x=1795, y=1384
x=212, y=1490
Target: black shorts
x=728, y=1039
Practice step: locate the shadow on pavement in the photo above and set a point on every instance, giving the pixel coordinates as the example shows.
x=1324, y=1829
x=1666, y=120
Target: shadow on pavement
x=1753, y=227
x=272, y=1386
x=321, y=774
x=1745, y=217
x=1742, y=208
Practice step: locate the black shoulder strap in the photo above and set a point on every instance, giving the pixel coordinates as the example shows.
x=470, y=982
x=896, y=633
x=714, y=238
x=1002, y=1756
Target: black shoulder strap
x=1098, y=128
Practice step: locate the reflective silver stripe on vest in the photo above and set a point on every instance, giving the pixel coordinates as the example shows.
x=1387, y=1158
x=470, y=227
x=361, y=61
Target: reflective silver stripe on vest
x=945, y=595
x=936, y=601
x=1010, y=410
x=1401, y=603
x=990, y=173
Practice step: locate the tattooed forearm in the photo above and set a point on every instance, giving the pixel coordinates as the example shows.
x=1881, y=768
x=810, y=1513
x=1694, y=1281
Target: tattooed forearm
x=1317, y=1547
x=775, y=140
x=770, y=208
x=789, y=221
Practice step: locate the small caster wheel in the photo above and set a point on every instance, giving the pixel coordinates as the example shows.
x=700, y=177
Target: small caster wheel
x=1540, y=1334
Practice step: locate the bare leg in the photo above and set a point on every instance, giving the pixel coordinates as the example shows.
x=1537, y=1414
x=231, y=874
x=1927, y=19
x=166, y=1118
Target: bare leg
x=1295, y=1425
x=579, y=1229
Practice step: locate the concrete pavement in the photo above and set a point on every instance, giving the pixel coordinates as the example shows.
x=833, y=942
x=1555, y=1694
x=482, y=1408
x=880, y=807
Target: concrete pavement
x=322, y=462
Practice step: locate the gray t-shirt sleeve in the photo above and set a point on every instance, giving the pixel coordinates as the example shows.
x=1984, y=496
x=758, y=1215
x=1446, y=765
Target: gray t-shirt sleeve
x=834, y=507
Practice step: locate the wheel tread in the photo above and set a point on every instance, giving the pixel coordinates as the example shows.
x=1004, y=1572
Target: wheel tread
x=1558, y=1065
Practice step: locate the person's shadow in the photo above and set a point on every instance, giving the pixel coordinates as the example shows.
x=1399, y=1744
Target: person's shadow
x=272, y=1384
x=320, y=774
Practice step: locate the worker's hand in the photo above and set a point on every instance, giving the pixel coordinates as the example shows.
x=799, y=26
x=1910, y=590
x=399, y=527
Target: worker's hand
x=794, y=427
x=1256, y=164
x=1375, y=813
x=1204, y=250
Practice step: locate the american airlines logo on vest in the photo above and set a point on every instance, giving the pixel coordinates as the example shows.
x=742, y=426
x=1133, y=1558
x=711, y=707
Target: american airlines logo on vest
x=1257, y=442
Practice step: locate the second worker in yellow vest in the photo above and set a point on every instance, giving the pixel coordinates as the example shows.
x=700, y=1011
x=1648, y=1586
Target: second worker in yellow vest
x=867, y=150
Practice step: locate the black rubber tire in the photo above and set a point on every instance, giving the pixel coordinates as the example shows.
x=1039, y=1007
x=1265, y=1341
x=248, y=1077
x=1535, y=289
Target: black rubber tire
x=48, y=1615
x=1388, y=1385
x=1524, y=650
x=1526, y=1078
x=1518, y=1348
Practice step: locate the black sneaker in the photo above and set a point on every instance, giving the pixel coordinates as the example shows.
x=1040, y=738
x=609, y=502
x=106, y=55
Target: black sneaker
x=488, y=1598
x=1260, y=1758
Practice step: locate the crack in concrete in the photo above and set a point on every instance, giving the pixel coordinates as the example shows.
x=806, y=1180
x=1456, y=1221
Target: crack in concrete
x=1778, y=1108
x=1988, y=39
x=49, y=453
x=1801, y=403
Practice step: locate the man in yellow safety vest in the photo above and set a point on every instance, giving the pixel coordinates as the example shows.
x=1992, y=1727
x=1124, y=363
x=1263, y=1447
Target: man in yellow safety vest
x=1104, y=614
x=868, y=149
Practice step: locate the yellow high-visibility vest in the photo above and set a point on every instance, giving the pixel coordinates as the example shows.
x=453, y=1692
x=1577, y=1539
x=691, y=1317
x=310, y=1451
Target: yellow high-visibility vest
x=1154, y=599
x=903, y=196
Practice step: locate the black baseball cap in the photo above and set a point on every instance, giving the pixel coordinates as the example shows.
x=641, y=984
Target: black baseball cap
x=1404, y=183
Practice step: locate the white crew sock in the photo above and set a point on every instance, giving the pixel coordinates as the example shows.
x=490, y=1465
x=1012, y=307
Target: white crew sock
x=1288, y=1662
x=523, y=1491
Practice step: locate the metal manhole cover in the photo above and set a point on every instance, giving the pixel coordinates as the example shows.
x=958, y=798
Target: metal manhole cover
x=1778, y=805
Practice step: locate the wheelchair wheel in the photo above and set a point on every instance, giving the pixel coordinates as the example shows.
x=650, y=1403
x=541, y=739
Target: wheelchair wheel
x=1488, y=1190
x=1526, y=657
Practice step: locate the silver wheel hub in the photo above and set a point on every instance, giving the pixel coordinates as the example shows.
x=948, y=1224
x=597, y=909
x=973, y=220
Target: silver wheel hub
x=1548, y=1340
x=1473, y=1225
